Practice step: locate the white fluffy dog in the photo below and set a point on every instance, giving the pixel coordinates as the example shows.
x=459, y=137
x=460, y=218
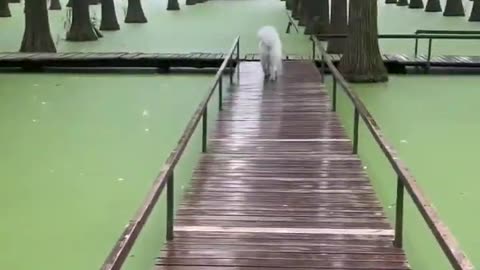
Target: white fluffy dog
x=270, y=50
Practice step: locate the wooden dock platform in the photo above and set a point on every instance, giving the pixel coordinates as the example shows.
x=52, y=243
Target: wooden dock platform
x=279, y=187
x=396, y=63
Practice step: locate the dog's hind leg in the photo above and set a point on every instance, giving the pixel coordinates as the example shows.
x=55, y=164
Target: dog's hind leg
x=265, y=66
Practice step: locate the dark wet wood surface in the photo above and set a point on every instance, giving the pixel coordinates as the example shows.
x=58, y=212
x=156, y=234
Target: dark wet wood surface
x=196, y=60
x=279, y=187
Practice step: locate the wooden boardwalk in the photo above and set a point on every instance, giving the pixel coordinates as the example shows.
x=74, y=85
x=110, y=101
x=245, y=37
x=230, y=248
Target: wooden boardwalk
x=197, y=60
x=279, y=187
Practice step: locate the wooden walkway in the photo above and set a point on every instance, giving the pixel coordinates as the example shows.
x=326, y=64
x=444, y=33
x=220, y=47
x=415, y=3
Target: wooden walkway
x=279, y=187
x=197, y=60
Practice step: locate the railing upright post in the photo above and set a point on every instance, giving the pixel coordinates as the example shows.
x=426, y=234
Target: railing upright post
x=398, y=241
x=238, y=60
x=429, y=56
x=170, y=206
x=230, y=64
x=416, y=45
x=355, y=131
x=322, y=67
x=204, y=130
x=313, y=48
x=334, y=94
x=220, y=94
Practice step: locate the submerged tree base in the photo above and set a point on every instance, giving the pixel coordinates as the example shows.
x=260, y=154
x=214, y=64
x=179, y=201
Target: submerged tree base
x=82, y=28
x=82, y=35
x=402, y=3
x=4, y=9
x=37, y=36
x=454, y=8
x=365, y=78
x=416, y=4
x=55, y=5
x=475, y=15
x=173, y=5
x=433, y=6
x=109, y=20
x=388, y=2
x=362, y=61
x=135, y=12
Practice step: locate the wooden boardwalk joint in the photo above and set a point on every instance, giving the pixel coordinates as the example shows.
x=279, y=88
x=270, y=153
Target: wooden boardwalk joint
x=280, y=187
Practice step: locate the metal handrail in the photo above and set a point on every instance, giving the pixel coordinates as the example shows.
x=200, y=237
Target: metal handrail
x=430, y=37
x=120, y=251
x=424, y=32
x=405, y=180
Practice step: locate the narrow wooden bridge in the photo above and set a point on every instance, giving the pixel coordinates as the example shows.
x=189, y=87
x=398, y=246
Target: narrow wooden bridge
x=280, y=187
x=396, y=63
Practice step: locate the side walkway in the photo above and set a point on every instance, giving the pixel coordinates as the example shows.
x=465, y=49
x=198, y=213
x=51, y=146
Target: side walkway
x=279, y=187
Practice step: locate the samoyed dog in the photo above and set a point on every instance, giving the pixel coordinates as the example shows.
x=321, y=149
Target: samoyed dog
x=270, y=50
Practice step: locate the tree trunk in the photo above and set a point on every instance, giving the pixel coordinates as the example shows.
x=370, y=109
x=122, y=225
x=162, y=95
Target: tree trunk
x=190, y=2
x=308, y=14
x=69, y=3
x=55, y=5
x=289, y=4
x=4, y=9
x=361, y=61
x=14, y=1
x=454, y=8
x=95, y=2
x=402, y=3
x=389, y=1
x=302, y=5
x=109, y=17
x=319, y=20
x=475, y=15
x=135, y=12
x=338, y=25
x=416, y=4
x=37, y=36
x=173, y=5
x=433, y=6
x=81, y=28
x=295, y=9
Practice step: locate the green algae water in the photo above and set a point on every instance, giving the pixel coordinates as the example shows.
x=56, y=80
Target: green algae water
x=79, y=152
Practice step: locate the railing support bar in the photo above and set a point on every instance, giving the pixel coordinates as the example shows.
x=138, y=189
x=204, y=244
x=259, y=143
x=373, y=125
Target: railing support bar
x=334, y=95
x=429, y=56
x=238, y=61
x=416, y=46
x=170, y=206
x=398, y=241
x=220, y=93
x=204, y=130
x=355, y=131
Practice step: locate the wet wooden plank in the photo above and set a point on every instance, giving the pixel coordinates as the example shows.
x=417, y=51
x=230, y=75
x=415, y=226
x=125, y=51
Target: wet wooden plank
x=279, y=187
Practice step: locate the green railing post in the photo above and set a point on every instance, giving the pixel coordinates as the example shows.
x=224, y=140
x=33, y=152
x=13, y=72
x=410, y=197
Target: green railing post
x=170, y=206
x=398, y=241
x=355, y=131
x=334, y=94
x=204, y=130
x=220, y=93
